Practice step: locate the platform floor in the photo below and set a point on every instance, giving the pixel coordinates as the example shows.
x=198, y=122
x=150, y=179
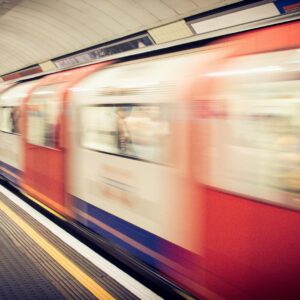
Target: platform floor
x=36, y=264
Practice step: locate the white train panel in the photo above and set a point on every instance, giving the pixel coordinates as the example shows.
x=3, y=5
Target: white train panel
x=10, y=140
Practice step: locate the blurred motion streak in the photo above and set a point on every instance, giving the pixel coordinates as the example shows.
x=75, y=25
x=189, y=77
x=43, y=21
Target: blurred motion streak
x=189, y=161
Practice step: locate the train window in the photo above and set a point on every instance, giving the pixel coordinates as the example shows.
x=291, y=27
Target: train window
x=100, y=128
x=9, y=119
x=43, y=111
x=254, y=147
x=134, y=131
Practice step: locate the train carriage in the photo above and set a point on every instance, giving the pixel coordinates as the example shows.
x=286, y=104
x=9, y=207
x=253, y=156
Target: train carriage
x=248, y=170
x=128, y=137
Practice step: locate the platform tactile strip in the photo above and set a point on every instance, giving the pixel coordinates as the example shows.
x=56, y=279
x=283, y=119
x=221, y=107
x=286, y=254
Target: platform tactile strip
x=19, y=278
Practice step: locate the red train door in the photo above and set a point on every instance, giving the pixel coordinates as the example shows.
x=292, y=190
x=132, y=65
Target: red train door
x=44, y=153
x=45, y=138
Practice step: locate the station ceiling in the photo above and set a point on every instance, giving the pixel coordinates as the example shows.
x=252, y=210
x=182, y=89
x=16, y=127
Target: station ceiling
x=35, y=31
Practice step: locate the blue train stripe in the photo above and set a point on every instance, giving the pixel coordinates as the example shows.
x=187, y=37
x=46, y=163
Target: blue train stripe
x=146, y=246
x=11, y=173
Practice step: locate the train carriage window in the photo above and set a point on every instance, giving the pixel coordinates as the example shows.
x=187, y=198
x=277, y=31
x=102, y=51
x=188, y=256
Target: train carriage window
x=43, y=111
x=254, y=146
x=9, y=119
x=131, y=130
x=100, y=128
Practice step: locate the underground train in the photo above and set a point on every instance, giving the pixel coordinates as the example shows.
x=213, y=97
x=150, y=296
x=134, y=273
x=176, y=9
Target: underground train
x=188, y=161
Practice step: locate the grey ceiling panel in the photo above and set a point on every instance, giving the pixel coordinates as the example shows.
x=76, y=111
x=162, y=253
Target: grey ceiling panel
x=34, y=31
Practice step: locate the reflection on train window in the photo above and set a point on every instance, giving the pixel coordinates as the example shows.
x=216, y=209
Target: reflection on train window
x=255, y=149
x=100, y=128
x=136, y=131
x=9, y=119
x=268, y=130
x=43, y=112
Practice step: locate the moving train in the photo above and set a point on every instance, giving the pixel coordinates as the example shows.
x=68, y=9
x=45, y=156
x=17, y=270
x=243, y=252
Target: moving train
x=189, y=161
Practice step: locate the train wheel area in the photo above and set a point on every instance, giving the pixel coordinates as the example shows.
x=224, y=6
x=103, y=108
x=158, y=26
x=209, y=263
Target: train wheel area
x=39, y=260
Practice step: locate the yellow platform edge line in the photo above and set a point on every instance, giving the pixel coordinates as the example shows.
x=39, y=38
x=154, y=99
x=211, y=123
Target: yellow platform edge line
x=58, y=256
